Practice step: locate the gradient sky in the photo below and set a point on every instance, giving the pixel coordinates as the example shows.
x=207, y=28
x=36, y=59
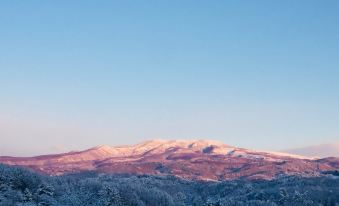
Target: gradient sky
x=254, y=74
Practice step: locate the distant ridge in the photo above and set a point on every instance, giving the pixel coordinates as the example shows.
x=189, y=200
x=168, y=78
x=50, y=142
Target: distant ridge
x=191, y=159
x=320, y=151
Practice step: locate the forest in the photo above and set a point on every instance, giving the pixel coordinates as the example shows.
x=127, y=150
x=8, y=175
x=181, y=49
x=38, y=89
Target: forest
x=21, y=187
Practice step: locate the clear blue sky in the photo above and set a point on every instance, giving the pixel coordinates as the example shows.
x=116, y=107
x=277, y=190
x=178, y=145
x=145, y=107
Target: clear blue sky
x=255, y=74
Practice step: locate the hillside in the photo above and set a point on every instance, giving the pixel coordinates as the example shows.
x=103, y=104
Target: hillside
x=24, y=188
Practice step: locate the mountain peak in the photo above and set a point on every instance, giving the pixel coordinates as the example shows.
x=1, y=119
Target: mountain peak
x=197, y=159
x=181, y=143
x=102, y=147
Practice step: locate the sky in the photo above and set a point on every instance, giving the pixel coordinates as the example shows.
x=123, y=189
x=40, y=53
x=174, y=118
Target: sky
x=254, y=74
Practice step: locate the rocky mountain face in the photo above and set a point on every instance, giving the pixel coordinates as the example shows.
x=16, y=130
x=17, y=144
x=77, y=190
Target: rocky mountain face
x=200, y=159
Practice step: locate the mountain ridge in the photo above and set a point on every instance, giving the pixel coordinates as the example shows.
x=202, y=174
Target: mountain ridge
x=191, y=159
x=318, y=151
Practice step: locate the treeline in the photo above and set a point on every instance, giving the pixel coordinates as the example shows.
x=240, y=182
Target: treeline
x=20, y=187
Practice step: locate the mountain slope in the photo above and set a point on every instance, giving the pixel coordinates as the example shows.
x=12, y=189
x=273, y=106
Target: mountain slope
x=196, y=159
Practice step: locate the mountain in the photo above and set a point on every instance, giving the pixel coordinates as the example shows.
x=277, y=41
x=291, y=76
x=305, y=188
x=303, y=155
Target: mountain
x=321, y=151
x=191, y=159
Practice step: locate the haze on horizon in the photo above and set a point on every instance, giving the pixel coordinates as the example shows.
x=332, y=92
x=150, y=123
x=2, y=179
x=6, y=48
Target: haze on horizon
x=261, y=75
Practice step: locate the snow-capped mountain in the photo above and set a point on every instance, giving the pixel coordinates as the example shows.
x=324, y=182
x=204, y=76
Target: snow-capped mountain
x=193, y=159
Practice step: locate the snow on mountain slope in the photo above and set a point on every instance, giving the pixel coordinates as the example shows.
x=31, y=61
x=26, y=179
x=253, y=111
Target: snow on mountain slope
x=193, y=159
